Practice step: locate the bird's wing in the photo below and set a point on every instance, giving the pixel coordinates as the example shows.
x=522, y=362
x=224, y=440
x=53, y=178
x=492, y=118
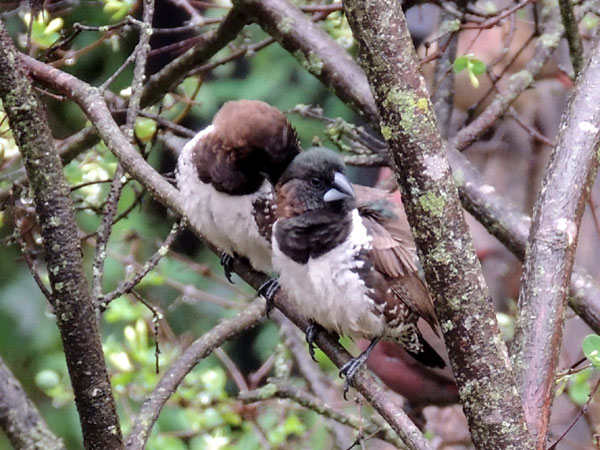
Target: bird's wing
x=265, y=214
x=393, y=251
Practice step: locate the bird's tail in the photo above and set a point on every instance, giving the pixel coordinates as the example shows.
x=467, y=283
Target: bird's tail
x=427, y=356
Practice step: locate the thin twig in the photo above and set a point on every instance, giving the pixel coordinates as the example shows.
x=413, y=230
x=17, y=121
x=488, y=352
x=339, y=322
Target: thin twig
x=110, y=208
x=127, y=286
x=280, y=388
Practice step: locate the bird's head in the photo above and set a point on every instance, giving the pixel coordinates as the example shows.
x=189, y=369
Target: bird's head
x=257, y=137
x=249, y=141
x=314, y=181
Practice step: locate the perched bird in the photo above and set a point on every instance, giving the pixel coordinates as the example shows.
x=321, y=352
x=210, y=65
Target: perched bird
x=225, y=173
x=350, y=267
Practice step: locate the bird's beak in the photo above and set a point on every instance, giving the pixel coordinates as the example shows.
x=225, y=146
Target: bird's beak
x=340, y=190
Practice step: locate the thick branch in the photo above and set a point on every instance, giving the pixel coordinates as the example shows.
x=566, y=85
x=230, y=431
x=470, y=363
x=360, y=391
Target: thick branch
x=478, y=356
x=551, y=248
x=309, y=44
x=19, y=418
x=71, y=299
x=160, y=83
x=89, y=99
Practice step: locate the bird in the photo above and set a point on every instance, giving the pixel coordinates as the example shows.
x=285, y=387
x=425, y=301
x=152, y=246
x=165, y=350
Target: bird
x=347, y=260
x=226, y=172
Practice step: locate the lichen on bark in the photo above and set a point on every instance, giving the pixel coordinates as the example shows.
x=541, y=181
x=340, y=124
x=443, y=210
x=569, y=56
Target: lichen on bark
x=70, y=298
x=482, y=369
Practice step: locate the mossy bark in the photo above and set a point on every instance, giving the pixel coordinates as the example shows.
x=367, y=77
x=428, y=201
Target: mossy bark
x=478, y=356
x=71, y=300
x=551, y=248
x=20, y=419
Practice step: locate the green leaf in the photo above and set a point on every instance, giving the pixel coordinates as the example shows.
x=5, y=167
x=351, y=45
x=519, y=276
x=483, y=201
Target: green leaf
x=591, y=348
x=477, y=66
x=460, y=63
x=579, y=389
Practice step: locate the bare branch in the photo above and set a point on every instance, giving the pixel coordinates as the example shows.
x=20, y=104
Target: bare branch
x=312, y=46
x=280, y=388
x=19, y=418
x=572, y=34
x=478, y=356
x=198, y=350
x=72, y=302
x=551, y=248
x=110, y=208
x=127, y=286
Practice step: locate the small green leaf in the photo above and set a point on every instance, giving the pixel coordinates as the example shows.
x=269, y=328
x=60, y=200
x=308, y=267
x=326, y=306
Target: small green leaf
x=460, y=63
x=477, y=66
x=579, y=388
x=591, y=348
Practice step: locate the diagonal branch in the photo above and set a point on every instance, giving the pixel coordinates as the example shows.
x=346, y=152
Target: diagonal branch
x=192, y=355
x=70, y=298
x=551, y=248
x=19, y=418
x=478, y=356
x=316, y=51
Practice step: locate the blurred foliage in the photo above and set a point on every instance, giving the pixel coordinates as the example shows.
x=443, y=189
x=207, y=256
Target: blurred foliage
x=187, y=289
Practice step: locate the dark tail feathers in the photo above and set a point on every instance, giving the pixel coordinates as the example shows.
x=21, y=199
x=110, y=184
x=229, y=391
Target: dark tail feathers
x=427, y=356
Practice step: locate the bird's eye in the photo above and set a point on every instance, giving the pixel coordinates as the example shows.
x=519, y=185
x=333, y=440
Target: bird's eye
x=315, y=181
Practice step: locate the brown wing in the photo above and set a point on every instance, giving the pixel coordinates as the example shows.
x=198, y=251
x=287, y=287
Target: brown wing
x=393, y=250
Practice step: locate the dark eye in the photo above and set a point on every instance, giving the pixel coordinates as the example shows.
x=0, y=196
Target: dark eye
x=315, y=181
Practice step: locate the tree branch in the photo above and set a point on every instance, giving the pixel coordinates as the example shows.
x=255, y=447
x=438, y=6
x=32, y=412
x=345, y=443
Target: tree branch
x=545, y=45
x=551, y=248
x=478, y=356
x=198, y=350
x=19, y=418
x=116, y=187
x=312, y=47
x=70, y=299
x=281, y=388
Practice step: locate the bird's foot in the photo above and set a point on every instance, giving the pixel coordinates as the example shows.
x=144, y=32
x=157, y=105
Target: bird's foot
x=268, y=290
x=311, y=333
x=349, y=369
x=226, y=261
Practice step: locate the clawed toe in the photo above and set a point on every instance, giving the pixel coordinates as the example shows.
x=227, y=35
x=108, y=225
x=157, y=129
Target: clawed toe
x=226, y=261
x=348, y=370
x=268, y=290
x=311, y=333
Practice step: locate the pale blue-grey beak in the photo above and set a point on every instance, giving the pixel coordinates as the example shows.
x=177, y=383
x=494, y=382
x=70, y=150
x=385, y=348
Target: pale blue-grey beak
x=341, y=189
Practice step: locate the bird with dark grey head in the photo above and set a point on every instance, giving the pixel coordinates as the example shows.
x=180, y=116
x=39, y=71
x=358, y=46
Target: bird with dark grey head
x=226, y=173
x=348, y=266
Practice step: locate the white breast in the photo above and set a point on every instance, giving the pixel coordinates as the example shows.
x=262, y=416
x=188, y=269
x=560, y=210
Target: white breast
x=328, y=290
x=225, y=220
